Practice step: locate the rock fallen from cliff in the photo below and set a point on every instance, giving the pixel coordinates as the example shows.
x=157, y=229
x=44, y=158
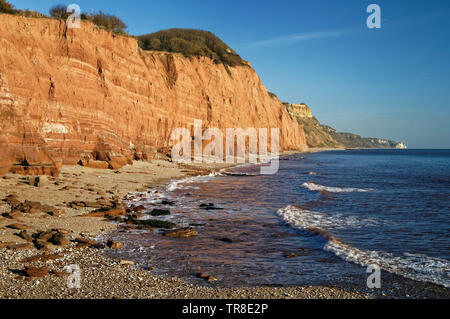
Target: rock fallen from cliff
x=115, y=244
x=181, y=233
x=26, y=236
x=206, y=277
x=38, y=181
x=153, y=223
x=160, y=212
x=209, y=206
x=59, y=239
x=18, y=226
x=36, y=272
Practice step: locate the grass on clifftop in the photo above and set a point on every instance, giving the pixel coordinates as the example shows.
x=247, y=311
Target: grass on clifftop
x=190, y=42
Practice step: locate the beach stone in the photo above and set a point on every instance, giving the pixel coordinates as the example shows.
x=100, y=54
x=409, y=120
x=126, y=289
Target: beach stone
x=77, y=204
x=152, y=223
x=16, y=247
x=62, y=231
x=45, y=236
x=18, y=226
x=206, y=277
x=225, y=240
x=12, y=200
x=24, y=235
x=5, y=245
x=181, y=233
x=58, y=239
x=108, y=213
x=126, y=262
x=137, y=208
x=209, y=206
x=82, y=245
x=56, y=213
x=12, y=215
x=42, y=258
x=115, y=244
x=86, y=241
x=211, y=279
x=160, y=212
x=202, y=275
x=41, y=245
x=36, y=272
x=38, y=181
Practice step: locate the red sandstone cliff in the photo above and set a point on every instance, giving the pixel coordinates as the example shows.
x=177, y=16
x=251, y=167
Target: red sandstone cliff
x=85, y=94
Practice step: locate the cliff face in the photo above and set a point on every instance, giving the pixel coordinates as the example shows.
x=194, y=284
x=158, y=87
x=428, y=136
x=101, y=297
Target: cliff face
x=318, y=135
x=315, y=134
x=350, y=140
x=71, y=95
x=299, y=110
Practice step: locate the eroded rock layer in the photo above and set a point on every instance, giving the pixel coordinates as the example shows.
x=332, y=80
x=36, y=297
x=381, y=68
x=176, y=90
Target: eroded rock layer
x=70, y=96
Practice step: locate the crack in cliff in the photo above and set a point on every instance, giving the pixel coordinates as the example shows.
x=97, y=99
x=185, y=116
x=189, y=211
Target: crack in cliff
x=171, y=70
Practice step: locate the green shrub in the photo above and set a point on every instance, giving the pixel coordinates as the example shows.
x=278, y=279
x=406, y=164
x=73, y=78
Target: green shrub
x=108, y=22
x=30, y=14
x=59, y=12
x=6, y=7
x=191, y=42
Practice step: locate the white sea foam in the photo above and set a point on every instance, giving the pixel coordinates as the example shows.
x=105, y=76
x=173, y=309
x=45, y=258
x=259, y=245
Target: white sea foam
x=303, y=218
x=317, y=188
x=412, y=266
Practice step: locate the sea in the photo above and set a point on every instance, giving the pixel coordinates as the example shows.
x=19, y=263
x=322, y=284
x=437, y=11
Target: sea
x=325, y=219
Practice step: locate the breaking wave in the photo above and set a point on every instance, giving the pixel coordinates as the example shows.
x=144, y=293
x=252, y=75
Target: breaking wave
x=316, y=187
x=176, y=184
x=413, y=266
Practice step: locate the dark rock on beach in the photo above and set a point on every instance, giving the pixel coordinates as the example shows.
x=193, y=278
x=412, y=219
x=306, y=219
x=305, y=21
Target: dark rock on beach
x=181, y=233
x=153, y=223
x=210, y=206
x=225, y=240
x=114, y=244
x=160, y=212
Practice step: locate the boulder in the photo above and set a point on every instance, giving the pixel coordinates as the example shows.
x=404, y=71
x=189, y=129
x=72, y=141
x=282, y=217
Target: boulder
x=115, y=244
x=59, y=240
x=160, y=212
x=181, y=233
x=17, y=247
x=152, y=223
x=18, y=226
x=109, y=213
x=36, y=272
x=24, y=235
x=38, y=181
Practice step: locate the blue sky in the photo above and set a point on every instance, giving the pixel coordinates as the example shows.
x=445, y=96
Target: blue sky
x=392, y=82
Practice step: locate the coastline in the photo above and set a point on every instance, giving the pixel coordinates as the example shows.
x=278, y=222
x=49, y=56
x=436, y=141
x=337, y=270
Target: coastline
x=101, y=276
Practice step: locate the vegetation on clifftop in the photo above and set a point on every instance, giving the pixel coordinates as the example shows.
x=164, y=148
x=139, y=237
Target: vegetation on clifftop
x=190, y=42
x=105, y=21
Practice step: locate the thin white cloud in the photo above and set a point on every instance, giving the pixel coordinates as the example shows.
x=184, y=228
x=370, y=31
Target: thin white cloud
x=299, y=37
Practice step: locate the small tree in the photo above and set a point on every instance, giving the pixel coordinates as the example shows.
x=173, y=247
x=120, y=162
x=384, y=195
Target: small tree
x=110, y=22
x=6, y=7
x=59, y=12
